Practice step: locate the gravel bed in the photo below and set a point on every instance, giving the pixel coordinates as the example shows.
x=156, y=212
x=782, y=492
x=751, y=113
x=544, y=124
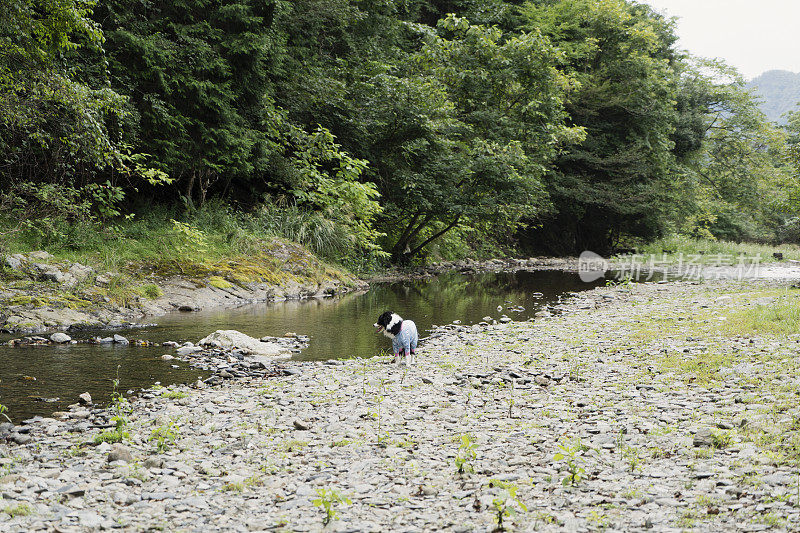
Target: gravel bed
x=633, y=410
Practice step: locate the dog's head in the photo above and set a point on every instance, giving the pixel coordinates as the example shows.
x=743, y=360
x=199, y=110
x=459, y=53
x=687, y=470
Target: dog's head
x=389, y=324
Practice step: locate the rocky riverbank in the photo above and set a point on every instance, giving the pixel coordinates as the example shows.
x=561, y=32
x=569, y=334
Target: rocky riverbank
x=655, y=407
x=40, y=294
x=476, y=266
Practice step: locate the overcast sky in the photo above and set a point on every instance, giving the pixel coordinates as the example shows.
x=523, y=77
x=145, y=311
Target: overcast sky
x=752, y=35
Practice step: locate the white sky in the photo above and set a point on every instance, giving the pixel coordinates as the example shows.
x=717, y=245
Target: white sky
x=752, y=35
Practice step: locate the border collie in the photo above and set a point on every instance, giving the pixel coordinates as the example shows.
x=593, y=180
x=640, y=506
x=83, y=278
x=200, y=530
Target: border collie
x=403, y=334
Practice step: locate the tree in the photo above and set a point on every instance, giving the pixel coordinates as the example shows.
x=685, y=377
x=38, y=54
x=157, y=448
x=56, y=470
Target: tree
x=464, y=134
x=54, y=127
x=735, y=177
x=196, y=74
x=617, y=180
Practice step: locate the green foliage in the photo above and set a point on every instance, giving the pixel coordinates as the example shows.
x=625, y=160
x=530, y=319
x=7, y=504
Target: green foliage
x=59, y=116
x=324, y=179
x=781, y=317
x=189, y=239
x=620, y=59
x=736, y=182
x=466, y=455
x=164, y=436
x=327, y=500
x=792, y=158
x=506, y=504
x=21, y=509
x=464, y=134
x=121, y=410
x=571, y=455
x=219, y=282
x=373, y=130
x=111, y=436
x=3, y=411
x=195, y=76
x=702, y=251
x=150, y=290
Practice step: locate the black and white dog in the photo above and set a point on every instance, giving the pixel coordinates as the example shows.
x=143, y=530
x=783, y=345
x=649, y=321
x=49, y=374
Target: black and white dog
x=403, y=334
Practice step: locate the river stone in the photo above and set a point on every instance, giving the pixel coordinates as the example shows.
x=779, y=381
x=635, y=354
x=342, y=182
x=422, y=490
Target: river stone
x=703, y=438
x=300, y=424
x=21, y=438
x=153, y=462
x=186, y=350
x=52, y=274
x=88, y=519
x=60, y=338
x=85, y=398
x=119, y=339
x=119, y=453
x=232, y=339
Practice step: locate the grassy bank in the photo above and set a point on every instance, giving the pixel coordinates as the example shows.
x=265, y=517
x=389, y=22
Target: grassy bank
x=213, y=245
x=162, y=236
x=705, y=251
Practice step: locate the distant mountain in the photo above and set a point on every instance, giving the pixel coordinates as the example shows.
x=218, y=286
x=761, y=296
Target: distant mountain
x=780, y=92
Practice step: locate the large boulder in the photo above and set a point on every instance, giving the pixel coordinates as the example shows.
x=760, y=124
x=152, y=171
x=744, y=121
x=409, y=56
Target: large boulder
x=232, y=339
x=60, y=338
x=15, y=262
x=80, y=272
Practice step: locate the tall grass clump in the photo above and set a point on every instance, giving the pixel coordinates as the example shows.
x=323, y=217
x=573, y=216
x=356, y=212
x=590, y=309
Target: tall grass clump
x=325, y=238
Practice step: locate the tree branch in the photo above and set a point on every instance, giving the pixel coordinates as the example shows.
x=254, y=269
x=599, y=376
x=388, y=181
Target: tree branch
x=435, y=236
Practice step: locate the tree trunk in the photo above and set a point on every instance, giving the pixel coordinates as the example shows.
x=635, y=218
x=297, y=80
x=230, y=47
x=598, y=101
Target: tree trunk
x=399, y=254
x=402, y=241
x=190, y=186
x=435, y=236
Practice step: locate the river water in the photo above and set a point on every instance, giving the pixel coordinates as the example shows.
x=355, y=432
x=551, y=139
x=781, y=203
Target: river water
x=31, y=378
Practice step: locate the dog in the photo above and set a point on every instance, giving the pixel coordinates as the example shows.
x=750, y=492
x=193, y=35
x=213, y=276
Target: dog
x=403, y=334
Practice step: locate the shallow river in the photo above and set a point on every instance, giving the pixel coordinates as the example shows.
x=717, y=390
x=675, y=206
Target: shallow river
x=338, y=327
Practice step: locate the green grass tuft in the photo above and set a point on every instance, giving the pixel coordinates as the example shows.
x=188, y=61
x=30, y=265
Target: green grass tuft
x=22, y=509
x=111, y=436
x=150, y=290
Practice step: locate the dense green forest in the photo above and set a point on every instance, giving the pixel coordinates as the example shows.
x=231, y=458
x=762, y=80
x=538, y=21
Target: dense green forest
x=378, y=131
